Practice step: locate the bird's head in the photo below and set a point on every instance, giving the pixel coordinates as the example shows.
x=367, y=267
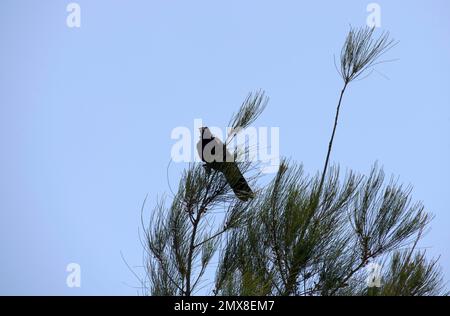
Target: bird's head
x=205, y=133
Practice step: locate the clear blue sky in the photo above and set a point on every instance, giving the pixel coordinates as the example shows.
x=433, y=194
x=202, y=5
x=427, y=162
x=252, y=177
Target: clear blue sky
x=86, y=115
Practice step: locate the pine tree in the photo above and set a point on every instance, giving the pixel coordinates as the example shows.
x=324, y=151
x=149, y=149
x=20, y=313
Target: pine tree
x=300, y=235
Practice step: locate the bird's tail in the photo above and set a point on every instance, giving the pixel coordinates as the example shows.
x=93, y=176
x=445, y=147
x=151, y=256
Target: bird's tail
x=237, y=182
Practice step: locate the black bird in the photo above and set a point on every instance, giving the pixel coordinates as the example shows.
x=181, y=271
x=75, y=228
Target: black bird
x=223, y=162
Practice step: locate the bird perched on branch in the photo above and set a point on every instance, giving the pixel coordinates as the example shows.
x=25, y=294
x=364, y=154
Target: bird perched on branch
x=213, y=152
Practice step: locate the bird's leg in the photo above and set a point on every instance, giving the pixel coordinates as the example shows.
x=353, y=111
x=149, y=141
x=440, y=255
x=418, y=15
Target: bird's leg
x=207, y=168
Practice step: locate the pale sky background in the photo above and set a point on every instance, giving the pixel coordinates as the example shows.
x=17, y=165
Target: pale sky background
x=86, y=115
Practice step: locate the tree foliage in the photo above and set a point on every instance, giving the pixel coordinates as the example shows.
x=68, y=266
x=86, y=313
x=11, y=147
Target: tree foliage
x=301, y=234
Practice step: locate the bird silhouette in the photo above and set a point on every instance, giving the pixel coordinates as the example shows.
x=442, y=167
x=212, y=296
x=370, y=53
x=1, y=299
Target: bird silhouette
x=213, y=152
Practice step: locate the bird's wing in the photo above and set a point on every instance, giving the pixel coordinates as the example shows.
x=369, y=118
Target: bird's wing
x=227, y=156
x=237, y=181
x=213, y=151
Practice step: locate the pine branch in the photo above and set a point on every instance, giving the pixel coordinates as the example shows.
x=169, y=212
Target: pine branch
x=330, y=144
x=360, y=52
